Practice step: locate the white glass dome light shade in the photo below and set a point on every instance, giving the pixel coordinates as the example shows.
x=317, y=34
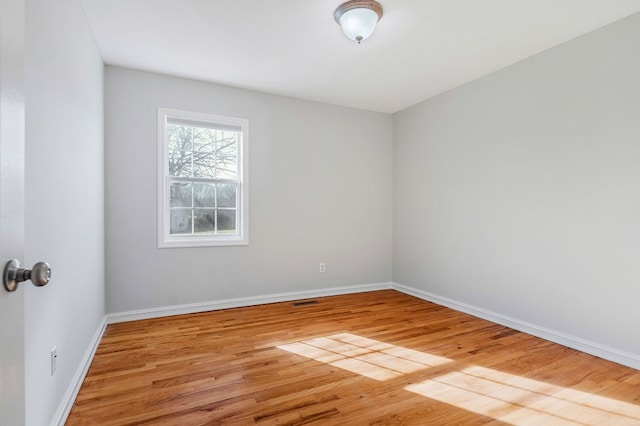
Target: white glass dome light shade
x=358, y=24
x=358, y=18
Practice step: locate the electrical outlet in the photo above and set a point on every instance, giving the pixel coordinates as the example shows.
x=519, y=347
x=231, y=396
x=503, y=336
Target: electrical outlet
x=54, y=360
x=323, y=267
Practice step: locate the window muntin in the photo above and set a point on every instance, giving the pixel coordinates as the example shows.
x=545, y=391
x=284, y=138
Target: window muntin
x=203, y=194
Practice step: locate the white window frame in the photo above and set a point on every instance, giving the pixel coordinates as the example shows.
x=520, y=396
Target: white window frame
x=165, y=238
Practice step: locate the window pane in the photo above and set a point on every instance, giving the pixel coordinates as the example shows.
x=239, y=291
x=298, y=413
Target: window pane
x=205, y=221
x=226, y=221
x=226, y=195
x=204, y=195
x=204, y=139
x=180, y=221
x=204, y=164
x=180, y=195
x=179, y=137
x=227, y=169
x=227, y=155
x=180, y=163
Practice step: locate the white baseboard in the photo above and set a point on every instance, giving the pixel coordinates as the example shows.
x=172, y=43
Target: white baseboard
x=610, y=354
x=64, y=409
x=215, y=305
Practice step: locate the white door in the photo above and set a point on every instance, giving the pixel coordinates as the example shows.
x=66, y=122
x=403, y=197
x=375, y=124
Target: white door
x=12, y=376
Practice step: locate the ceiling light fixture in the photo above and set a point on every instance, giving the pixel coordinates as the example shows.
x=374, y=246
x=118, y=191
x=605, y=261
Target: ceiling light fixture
x=358, y=18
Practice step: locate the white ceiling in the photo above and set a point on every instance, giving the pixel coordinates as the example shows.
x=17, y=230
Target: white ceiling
x=295, y=48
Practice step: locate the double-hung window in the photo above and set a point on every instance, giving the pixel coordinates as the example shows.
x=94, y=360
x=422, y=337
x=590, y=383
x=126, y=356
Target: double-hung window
x=202, y=179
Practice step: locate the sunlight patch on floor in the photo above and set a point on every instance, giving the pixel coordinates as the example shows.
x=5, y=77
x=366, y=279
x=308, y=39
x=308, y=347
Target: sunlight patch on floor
x=505, y=397
x=367, y=357
x=518, y=400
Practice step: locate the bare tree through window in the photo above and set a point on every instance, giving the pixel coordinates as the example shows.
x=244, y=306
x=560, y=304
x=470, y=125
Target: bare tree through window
x=203, y=169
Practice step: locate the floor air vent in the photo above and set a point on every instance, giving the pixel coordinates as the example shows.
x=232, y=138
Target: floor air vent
x=305, y=303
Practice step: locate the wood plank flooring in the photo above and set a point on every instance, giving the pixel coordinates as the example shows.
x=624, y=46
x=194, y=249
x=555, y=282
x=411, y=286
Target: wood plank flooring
x=377, y=358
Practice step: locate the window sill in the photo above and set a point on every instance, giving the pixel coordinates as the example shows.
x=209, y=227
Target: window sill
x=202, y=242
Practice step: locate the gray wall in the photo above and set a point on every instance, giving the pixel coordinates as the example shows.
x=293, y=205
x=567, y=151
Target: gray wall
x=320, y=188
x=64, y=205
x=518, y=193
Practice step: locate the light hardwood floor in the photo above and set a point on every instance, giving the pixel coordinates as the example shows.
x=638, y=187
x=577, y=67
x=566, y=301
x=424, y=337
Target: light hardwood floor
x=377, y=358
